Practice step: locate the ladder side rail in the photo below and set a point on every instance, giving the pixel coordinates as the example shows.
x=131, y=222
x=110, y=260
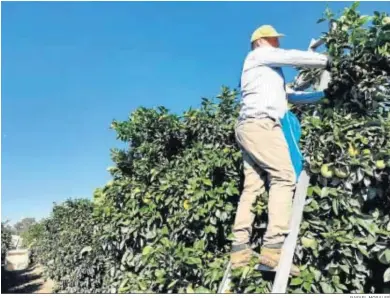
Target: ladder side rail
x=224, y=286
x=287, y=254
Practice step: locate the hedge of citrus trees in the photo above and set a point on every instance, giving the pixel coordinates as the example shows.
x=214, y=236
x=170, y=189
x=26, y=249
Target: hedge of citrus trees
x=346, y=142
x=163, y=224
x=63, y=244
x=30, y=237
x=5, y=241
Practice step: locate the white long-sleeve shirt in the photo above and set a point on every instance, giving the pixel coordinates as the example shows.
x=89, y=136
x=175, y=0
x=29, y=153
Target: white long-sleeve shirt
x=263, y=86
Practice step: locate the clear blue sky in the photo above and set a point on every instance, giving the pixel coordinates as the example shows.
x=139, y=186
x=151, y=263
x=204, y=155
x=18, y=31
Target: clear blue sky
x=70, y=68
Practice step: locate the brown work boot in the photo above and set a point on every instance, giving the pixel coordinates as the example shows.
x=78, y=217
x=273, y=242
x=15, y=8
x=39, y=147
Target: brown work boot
x=241, y=256
x=270, y=257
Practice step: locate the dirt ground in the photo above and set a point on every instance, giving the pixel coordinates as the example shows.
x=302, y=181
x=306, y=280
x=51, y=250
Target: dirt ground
x=25, y=281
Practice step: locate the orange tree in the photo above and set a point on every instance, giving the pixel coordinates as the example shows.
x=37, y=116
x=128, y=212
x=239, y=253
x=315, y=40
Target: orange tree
x=65, y=246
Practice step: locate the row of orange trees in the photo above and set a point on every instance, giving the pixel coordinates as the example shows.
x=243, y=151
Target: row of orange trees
x=163, y=224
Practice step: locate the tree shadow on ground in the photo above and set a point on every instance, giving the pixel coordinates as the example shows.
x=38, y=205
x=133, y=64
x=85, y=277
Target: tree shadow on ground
x=20, y=281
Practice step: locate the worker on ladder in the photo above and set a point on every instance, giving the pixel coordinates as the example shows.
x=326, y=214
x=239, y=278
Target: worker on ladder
x=263, y=132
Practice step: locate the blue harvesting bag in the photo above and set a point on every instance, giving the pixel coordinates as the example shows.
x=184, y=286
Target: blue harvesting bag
x=292, y=133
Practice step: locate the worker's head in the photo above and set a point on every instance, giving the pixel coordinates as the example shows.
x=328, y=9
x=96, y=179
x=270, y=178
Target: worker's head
x=265, y=35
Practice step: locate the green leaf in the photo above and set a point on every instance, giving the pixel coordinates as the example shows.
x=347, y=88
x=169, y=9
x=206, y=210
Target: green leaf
x=210, y=229
x=386, y=275
x=307, y=286
x=147, y=250
x=355, y=5
x=314, y=205
x=309, y=191
x=324, y=192
x=229, y=192
x=326, y=288
x=328, y=13
x=245, y=272
x=190, y=290
x=371, y=240
x=384, y=256
x=321, y=20
x=309, y=242
x=335, y=206
x=202, y=290
x=199, y=245
x=363, y=251
x=159, y=273
x=164, y=231
x=345, y=268
x=207, y=181
x=317, y=190
x=172, y=284
x=316, y=273
x=364, y=19
x=342, y=287
x=369, y=228
x=296, y=281
x=193, y=261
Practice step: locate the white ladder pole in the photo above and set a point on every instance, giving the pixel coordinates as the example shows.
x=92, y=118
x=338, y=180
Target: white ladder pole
x=287, y=255
x=224, y=286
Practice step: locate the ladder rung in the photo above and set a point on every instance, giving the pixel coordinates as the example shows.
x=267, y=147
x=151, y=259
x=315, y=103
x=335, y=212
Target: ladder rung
x=265, y=268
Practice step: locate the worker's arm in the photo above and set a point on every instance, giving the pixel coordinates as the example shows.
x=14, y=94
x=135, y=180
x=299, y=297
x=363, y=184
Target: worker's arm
x=275, y=57
x=302, y=97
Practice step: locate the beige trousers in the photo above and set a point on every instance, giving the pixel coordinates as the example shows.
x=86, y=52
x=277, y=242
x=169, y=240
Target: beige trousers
x=265, y=152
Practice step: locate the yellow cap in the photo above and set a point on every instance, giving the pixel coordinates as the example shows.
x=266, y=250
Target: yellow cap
x=265, y=31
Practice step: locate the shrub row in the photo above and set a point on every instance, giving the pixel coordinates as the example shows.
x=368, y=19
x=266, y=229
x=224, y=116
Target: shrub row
x=163, y=224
